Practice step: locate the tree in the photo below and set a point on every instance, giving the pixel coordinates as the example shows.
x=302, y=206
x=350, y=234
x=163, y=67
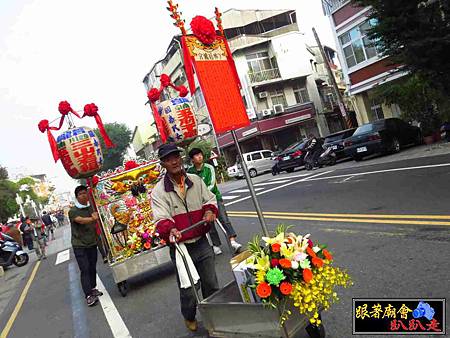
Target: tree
x=8, y=205
x=416, y=35
x=3, y=173
x=120, y=134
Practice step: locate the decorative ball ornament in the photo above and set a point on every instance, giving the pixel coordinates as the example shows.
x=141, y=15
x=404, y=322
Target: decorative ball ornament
x=80, y=152
x=178, y=119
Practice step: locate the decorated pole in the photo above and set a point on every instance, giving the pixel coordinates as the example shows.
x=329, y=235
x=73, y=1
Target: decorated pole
x=208, y=56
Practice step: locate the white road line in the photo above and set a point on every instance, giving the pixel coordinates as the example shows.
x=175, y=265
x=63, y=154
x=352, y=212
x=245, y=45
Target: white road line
x=269, y=183
x=279, y=187
x=62, y=257
x=312, y=178
x=291, y=176
x=230, y=197
x=245, y=190
x=115, y=321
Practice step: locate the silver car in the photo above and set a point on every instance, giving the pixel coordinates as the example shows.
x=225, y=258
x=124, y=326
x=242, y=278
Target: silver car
x=258, y=162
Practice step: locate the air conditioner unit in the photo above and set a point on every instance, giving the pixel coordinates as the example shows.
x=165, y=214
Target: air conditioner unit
x=262, y=95
x=267, y=112
x=278, y=109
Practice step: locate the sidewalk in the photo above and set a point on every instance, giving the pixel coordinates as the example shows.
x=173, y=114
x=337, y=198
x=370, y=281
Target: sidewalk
x=15, y=277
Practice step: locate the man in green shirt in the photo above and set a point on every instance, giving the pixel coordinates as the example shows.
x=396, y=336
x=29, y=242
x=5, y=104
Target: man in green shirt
x=84, y=242
x=208, y=174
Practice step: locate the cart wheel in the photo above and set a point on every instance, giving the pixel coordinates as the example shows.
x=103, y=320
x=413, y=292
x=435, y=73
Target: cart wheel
x=123, y=288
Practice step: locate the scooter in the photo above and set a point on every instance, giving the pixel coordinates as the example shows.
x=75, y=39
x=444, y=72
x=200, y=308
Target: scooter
x=11, y=252
x=327, y=157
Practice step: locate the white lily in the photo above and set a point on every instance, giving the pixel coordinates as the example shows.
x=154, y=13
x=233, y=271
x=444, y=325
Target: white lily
x=316, y=249
x=300, y=256
x=294, y=265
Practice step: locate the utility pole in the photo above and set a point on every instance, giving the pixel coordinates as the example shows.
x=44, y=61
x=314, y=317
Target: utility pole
x=333, y=81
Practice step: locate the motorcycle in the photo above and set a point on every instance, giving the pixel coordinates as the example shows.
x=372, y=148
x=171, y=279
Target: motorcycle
x=327, y=157
x=11, y=252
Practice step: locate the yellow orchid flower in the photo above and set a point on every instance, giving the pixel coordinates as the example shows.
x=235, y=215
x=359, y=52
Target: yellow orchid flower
x=272, y=240
x=263, y=263
x=287, y=251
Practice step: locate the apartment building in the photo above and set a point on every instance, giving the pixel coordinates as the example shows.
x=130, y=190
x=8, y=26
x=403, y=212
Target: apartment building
x=285, y=86
x=363, y=67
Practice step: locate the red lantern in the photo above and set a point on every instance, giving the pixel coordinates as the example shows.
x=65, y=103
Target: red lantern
x=178, y=119
x=80, y=152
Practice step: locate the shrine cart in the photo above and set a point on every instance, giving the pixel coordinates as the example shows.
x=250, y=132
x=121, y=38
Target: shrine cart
x=123, y=201
x=224, y=314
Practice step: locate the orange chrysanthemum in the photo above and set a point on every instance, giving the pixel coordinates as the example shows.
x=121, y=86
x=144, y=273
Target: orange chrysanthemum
x=263, y=290
x=286, y=288
x=147, y=245
x=310, y=252
x=285, y=263
x=276, y=247
x=317, y=262
x=307, y=275
x=327, y=255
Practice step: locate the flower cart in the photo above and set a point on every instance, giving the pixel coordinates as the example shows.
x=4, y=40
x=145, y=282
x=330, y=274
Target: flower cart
x=123, y=201
x=294, y=282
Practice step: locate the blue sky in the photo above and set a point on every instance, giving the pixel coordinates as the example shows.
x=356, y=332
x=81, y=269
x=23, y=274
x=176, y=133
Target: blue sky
x=91, y=51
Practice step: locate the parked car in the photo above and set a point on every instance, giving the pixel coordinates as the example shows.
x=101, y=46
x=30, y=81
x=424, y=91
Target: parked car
x=292, y=157
x=335, y=141
x=258, y=162
x=382, y=136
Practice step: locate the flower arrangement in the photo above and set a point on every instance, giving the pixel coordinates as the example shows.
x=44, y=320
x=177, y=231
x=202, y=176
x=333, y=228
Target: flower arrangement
x=295, y=269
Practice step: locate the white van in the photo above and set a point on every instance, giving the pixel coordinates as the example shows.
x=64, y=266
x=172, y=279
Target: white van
x=258, y=162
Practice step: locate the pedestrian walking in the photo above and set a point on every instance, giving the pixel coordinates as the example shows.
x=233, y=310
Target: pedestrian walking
x=49, y=224
x=83, y=220
x=25, y=227
x=38, y=239
x=208, y=174
x=180, y=200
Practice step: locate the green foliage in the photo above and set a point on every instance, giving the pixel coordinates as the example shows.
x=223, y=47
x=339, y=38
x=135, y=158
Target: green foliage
x=8, y=205
x=3, y=173
x=120, y=135
x=414, y=35
x=203, y=145
x=417, y=99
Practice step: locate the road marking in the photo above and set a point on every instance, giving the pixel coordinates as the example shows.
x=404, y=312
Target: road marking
x=382, y=171
x=115, y=321
x=279, y=187
x=78, y=303
x=347, y=215
x=245, y=190
x=230, y=197
x=345, y=220
x=62, y=256
x=291, y=176
x=269, y=183
x=19, y=304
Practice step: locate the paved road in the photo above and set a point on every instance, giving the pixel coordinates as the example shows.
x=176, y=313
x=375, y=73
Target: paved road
x=405, y=255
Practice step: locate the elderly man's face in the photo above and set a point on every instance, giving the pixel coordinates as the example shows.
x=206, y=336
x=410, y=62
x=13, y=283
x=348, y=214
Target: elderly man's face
x=172, y=163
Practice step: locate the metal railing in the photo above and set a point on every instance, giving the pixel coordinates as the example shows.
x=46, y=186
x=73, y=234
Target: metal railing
x=264, y=75
x=331, y=5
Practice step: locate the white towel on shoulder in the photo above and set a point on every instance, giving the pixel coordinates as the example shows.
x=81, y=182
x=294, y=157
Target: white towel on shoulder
x=182, y=273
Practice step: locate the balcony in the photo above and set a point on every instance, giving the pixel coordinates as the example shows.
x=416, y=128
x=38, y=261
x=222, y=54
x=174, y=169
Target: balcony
x=265, y=75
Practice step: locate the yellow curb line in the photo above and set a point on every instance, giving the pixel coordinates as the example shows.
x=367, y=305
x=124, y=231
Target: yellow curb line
x=19, y=304
x=346, y=215
x=349, y=220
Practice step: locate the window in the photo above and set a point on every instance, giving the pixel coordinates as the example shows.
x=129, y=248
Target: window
x=267, y=154
x=199, y=99
x=356, y=44
x=377, y=110
x=301, y=94
x=277, y=97
x=248, y=158
x=256, y=156
x=260, y=61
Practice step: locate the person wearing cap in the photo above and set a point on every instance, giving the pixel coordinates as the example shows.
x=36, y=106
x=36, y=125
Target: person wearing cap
x=180, y=200
x=208, y=175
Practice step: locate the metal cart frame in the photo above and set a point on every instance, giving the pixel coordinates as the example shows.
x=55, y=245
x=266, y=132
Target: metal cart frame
x=225, y=315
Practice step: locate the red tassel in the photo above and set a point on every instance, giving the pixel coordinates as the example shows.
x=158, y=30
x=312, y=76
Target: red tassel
x=188, y=65
x=159, y=123
x=91, y=109
x=44, y=127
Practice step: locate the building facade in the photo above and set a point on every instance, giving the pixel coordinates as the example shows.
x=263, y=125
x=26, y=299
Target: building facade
x=363, y=67
x=144, y=141
x=285, y=86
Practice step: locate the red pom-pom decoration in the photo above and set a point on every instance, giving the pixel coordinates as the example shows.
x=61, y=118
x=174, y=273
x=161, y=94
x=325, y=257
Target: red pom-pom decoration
x=153, y=95
x=64, y=107
x=90, y=109
x=165, y=80
x=183, y=91
x=131, y=165
x=43, y=126
x=203, y=29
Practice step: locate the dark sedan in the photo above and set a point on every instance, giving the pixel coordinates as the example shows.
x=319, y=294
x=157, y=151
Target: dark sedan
x=292, y=157
x=382, y=136
x=336, y=142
